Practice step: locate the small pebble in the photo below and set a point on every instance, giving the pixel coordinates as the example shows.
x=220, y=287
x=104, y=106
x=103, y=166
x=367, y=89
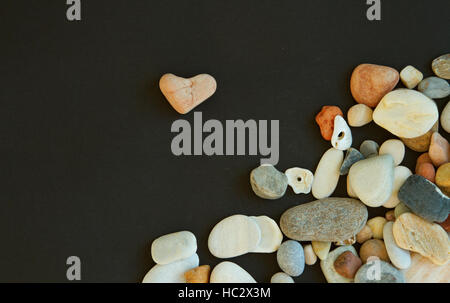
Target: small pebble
x=422, y=143
x=434, y=88
x=268, y=183
x=300, y=180
x=439, y=150
x=321, y=249
x=390, y=215
x=369, y=148
x=310, y=256
x=351, y=157
x=400, y=257
x=401, y=173
x=342, y=135
x=326, y=176
x=400, y=209
x=325, y=120
x=173, y=247
x=443, y=176
x=281, y=277
x=445, y=118
x=376, y=225
x=387, y=273
x=271, y=236
x=290, y=258
x=172, y=272
x=410, y=76
x=373, y=248
x=347, y=264
x=198, y=275
x=359, y=115
x=364, y=235
x=229, y=272
x=441, y=66
x=395, y=148
x=423, y=158
x=327, y=265
x=427, y=171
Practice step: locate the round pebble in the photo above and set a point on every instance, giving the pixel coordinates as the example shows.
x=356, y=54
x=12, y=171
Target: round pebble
x=423, y=158
x=364, y=234
x=271, y=236
x=395, y=148
x=434, y=88
x=229, y=272
x=268, y=183
x=373, y=248
x=281, y=277
x=410, y=76
x=290, y=258
x=443, y=176
x=427, y=171
x=359, y=115
x=439, y=150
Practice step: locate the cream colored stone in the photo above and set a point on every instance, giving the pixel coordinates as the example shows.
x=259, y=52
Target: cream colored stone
x=350, y=191
x=398, y=256
x=271, y=236
x=327, y=173
x=359, y=115
x=410, y=76
x=172, y=272
x=395, y=148
x=321, y=249
x=342, y=135
x=376, y=225
x=173, y=247
x=310, y=255
x=229, y=272
x=300, y=179
x=445, y=118
x=401, y=173
x=364, y=234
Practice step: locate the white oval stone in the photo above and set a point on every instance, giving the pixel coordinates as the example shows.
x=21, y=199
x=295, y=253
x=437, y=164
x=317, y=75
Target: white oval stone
x=174, y=247
x=342, y=135
x=300, y=179
x=401, y=173
x=229, y=272
x=372, y=179
x=271, y=236
x=406, y=113
x=281, y=277
x=395, y=148
x=327, y=173
x=445, y=118
x=172, y=272
x=400, y=257
x=234, y=236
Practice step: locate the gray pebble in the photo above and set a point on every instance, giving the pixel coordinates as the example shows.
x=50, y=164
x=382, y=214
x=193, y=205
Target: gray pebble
x=268, y=183
x=369, y=148
x=379, y=272
x=351, y=157
x=434, y=87
x=291, y=258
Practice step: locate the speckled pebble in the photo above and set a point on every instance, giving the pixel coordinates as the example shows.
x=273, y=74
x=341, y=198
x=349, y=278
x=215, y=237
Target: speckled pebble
x=434, y=87
x=290, y=258
x=268, y=183
x=441, y=66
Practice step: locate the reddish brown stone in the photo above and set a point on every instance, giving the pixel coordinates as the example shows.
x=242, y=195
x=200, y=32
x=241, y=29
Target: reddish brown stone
x=347, y=264
x=325, y=120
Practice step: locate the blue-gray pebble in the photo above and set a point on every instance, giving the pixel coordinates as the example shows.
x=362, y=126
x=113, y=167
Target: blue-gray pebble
x=351, y=157
x=291, y=258
x=434, y=87
x=268, y=183
x=379, y=272
x=424, y=199
x=369, y=148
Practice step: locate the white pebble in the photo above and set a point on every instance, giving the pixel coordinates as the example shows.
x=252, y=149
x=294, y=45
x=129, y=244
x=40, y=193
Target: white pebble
x=172, y=272
x=395, y=148
x=300, y=179
x=310, y=255
x=400, y=257
x=281, y=277
x=229, y=272
x=173, y=247
x=271, y=236
x=327, y=173
x=342, y=135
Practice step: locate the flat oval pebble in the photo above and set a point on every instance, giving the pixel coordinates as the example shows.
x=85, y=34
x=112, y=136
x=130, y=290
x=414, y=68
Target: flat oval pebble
x=445, y=118
x=229, y=272
x=234, y=236
x=379, y=272
x=327, y=173
x=351, y=157
x=327, y=220
x=327, y=265
x=372, y=179
x=268, y=183
x=434, y=88
x=359, y=115
x=441, y=66
x=395, y=148
x=399, y=257
x=369, y=148
x=342, y=135
x=291, y=258
x=271, y=236
x=173, y=247
x=300, y=179
x=281, y=277
x=424, y=199
x=172, y=272
x=401, y=173
x=413, y=233
x=406, y=113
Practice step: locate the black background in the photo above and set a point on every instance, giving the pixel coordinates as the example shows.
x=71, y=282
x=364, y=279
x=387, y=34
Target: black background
x=86, y=167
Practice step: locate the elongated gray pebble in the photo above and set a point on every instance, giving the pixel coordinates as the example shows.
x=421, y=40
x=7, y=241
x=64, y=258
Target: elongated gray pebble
x=268, y=183
x=351, y=157
x=291, y=258
x=434, y=87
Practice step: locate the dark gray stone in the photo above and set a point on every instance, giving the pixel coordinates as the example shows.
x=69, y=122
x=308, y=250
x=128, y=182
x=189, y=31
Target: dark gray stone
x=291, y=258
x=378, y=271
x=424, y=199
x=351, y=157
x=369, y=148
x=268, y=183
x=434, y=87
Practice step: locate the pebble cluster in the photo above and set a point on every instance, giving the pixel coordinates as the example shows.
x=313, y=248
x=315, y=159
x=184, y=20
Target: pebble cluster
x=409, y=244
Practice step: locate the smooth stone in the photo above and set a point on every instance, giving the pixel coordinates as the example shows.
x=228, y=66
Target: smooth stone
x=427, y=171
x=291, y=258
x=234, y=236
x=300, y=179
x=445, y=118
x=395, y=148
x=327, y=220
x=415, y=234
x=347, y=264
x=376, y=225
x=372, y=179
x=326, y=176
x=387, y=273
x=321, y=249
x=351, y=157
x=439, y=151
x=364, y=234
x=424, y=199
x=325, y=120
x=399, y=257
x=350, y=191
x=400, y=209
x=172, y=272
x=271, y=236
x=410, y=76
x=441, y=66
x=369, y=148
x=342, y=135
x=327, y=265
x=390, y=215
x=173, y=247
x=423, y=270
x=359, y=115
x=310, y=255
x=281, y=277
x=373, y=248
x=198, y=274
x=443, y=175
x=423, y=158
x=268, y=183
x=229, y=272
x=406, y=113
x=422, y=143
x=434, y=88
x=401, y=173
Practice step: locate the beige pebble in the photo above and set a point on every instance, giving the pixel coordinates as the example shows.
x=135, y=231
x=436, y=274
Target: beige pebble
x=310, y=255
x=321, y=249
x=390, y=215
x=198, y=275
x=410, y=76
x=373, y=248
x=326, y=176
x=395, y=148
x=376, y=225
x=364, y=235
x=350, y=191
x=359, y=115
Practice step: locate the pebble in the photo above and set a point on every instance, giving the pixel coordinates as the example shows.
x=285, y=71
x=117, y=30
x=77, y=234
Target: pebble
x=364, y=235
x=229, y=272
x=342, y=135
x=172, y=272
x=390, y=215
x=300, y=180
x=328, y=220
x=439, y=150
x=369, y=148
x=423, y=270
x=427, y=171
x=422, y=143
x=173, y=247
x=350, y=241
x=428, y=239
x=424, y=199
x=310, y=256
x=359, y=115
x=372, y=179
x=373, y=248
x=401, y=173
x=370, y=82
x=400, y=209
x=423, y=158
x=441, y=66
x=350, y=191
x=271, y=236
x=395, y=148
x=321, y=249
x=387, y=273
x=376, y=225
x=347, y=264
x=281, y=277
x=406, y=113
x=410, y=76
x=185, y=94
x=434, y=88
x=443, y=176
x=351, y=157
x=268, y=183
x=325, y=120
x=234, y=236
x=445, y=118
x=326, y=176
x=198, y=275
x=399, y=257
x=291, y=258
x=327, y=265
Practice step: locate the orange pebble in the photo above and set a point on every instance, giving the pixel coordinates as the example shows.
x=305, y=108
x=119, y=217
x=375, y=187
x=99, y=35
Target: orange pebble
x=325, y=120
x=423, y=158
x=427, y=171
